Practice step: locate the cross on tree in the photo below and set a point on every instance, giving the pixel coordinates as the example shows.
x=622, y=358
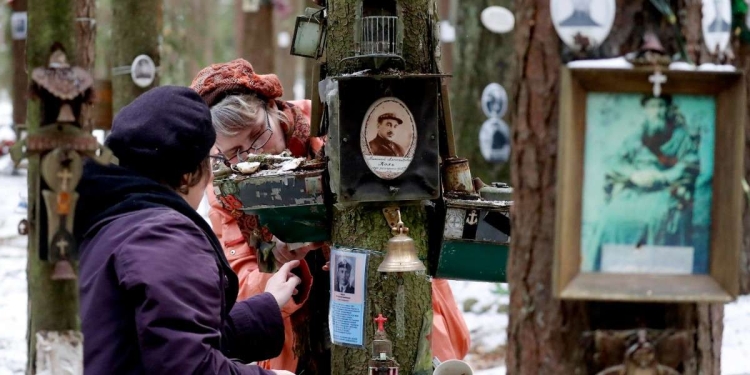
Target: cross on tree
x=380, y=320
x=62, y=245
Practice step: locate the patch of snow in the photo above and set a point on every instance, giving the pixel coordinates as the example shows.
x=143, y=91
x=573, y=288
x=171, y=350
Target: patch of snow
x=716, y=68
x=614, y=63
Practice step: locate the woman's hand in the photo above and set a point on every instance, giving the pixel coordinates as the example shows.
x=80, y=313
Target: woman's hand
x=282, y=285
x=284, y=252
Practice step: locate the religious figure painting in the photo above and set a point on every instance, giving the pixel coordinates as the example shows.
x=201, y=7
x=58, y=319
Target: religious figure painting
x=647, y=189
x=388, y=138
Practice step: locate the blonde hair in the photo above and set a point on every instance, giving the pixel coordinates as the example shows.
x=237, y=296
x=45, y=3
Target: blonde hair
x=236, y=113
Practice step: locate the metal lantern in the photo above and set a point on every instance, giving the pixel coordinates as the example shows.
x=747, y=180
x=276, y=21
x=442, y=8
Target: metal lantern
x=309, y=34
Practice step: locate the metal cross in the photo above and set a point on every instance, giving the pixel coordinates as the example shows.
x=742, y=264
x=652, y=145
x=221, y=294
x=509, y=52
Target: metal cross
x=380, y=320
x=62, y=245
x=65, y=176
x=657, y=79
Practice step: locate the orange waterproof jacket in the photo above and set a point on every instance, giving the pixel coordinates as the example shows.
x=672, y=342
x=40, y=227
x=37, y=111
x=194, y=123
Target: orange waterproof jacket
x=450, y=335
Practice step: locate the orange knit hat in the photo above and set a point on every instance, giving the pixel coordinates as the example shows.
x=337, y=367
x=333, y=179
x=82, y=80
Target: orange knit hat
x=216, y=81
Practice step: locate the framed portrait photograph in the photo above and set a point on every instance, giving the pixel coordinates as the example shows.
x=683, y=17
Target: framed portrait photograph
x=649, y=198
x=388, y=138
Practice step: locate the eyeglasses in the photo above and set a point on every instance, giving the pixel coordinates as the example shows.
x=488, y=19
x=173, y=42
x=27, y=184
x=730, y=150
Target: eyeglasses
x=258, y=143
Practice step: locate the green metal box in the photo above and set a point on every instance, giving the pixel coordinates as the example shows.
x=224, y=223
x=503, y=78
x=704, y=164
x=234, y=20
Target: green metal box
x=290, y=204
x=475, y=241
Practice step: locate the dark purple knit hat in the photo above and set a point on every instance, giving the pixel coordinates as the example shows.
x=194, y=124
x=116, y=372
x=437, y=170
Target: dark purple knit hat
x=165, y=132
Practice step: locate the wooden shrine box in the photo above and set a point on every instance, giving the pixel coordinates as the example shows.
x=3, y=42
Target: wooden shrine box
x=291, y=204
x=366, y=167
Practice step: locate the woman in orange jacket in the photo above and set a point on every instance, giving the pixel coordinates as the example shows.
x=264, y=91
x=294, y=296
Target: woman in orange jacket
x=249, y=119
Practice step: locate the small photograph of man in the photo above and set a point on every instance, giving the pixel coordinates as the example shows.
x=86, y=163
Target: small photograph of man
x=344, y=271
x=383, y=144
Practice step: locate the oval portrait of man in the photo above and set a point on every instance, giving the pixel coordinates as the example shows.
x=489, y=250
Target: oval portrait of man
x=388, y=138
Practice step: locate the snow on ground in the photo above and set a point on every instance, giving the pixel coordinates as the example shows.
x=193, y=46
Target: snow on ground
x=484, y=304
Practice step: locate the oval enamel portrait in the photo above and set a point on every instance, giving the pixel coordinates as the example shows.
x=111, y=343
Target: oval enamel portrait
x=388, y=138
x=494, y=141
x=717, y=24
x=591, y=19
x=494, y=100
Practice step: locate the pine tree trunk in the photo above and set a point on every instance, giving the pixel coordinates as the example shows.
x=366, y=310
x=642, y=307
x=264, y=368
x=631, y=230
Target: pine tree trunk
x=53, y=305
x=256, y=38
x=136, y=27
x=481, y=57
x=744, y=64
x=364, y=226
x=20, y=78
x=546, y=335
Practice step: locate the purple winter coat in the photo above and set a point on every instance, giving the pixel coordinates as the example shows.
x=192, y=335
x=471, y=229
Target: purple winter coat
x=154, y=293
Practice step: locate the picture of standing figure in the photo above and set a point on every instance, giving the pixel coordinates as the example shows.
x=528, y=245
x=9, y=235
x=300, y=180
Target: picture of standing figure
x=640, y=185
x=581, y=15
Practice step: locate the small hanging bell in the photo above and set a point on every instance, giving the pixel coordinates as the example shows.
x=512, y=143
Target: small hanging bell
x=402, y=255
x=63, y=271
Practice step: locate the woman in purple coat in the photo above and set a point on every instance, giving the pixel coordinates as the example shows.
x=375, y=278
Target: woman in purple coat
x=157, y=293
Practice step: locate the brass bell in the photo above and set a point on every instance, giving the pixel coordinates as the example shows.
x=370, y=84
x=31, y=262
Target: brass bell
x=402, y=255
x=63, y=271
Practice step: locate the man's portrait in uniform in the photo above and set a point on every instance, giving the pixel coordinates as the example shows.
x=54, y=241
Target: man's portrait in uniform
x=384, y=142
x=344, y=271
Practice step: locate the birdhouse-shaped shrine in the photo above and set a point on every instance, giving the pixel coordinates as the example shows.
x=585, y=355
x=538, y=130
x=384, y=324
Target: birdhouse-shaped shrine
x=382, y=361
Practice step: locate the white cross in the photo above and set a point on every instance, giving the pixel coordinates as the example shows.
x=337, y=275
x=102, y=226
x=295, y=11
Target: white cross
x=657, y=79
x=65, y=176
x=62, y=245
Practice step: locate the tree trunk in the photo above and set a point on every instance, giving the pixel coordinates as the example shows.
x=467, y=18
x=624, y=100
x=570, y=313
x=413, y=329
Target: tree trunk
x=86, y=46
x=136, y=27
x=256, y=39
x=546, y=335
x=53, y=305
x=364, y=226
x=481, y=57
x=744, y=64
x=20, y=78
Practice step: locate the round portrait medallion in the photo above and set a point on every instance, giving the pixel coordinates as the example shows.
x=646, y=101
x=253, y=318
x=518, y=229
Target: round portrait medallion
x=575, y=20
x=388, y=138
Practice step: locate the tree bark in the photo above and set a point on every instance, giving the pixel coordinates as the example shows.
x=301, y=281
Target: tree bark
x=136, y=27
x=547, y=335
x=481, y=57
x=53, y=305
x=256, y=38
x=20, y=78
x=744, y=64
x=86, y=51
x=364, y=226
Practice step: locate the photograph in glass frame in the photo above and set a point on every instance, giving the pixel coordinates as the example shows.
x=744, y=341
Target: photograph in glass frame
x=647, y=189
x=388, y=138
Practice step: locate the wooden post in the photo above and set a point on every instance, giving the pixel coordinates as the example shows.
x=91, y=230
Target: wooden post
x=546, y=335
x=53, y=305
x=136, y=27
x=364, y=225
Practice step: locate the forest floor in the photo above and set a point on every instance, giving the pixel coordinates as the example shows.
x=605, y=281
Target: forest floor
x=485, y=305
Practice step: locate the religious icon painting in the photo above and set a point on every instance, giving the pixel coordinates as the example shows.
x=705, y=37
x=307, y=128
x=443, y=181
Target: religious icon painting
x=388, y=138
x=650, y=205
x=583, y=23
x=717, y=24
